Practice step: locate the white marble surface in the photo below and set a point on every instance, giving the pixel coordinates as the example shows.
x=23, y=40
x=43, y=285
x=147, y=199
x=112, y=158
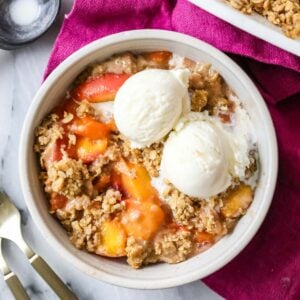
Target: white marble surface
x=20, y=77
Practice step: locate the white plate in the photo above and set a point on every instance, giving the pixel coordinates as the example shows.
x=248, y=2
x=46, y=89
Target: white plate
x=253, y=24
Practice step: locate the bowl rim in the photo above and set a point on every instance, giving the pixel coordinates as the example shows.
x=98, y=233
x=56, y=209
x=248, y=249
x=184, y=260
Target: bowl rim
x=25, y=141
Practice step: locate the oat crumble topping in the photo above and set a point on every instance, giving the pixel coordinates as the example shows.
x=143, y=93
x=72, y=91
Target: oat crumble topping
x=84, y=109
x=48, y=131
x=66, y=177
x=283, y=13
x=93, y=193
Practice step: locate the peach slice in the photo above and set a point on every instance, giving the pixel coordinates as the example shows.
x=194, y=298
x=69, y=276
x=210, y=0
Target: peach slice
x=136, y=181
x=103, y=182
x=57, y=201
x=237, y=201
x=159, y=57
x=142, y=219
x=90, y=128
x=101, y=88
x=54, y=151
x=88, y=149
x=113, y=239
x=144, y=214
x=204, y=238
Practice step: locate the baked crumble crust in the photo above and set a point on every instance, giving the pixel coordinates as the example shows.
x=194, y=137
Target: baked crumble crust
x=67, y=177
x=89, y=206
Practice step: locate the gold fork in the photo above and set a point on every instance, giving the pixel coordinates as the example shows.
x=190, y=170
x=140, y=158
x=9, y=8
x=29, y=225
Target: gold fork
x=11, y=279
x=10, y=228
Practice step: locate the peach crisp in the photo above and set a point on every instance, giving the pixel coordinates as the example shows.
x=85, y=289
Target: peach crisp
x=112, y=196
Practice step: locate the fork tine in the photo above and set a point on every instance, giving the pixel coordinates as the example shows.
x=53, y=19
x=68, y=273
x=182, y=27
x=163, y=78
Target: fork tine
x=3, y=265
x=11, y=279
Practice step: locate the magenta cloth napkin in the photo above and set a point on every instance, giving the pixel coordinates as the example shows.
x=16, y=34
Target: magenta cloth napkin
x=269, y=267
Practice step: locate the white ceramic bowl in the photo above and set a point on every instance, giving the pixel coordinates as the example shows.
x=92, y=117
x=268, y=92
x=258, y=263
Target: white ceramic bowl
x=158, y=275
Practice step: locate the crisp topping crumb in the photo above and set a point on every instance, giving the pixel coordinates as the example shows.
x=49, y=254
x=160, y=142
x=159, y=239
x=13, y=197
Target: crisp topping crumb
x=66, y=177
x=283, y=13
x=93, y=196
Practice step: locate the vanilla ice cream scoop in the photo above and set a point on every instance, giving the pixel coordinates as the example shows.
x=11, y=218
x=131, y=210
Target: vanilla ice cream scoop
x=149, y=104
x=195, y=158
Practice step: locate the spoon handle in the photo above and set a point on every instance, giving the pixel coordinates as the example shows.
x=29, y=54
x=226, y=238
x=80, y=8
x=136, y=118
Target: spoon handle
x=16, y=287
x=57, y=285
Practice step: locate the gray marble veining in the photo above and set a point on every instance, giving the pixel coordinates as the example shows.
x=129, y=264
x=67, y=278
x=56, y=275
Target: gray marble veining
x=20, y=77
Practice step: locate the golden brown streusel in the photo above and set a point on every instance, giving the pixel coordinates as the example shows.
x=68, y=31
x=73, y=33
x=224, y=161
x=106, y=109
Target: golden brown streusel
x=137, y=252
x=110, y=202
x=71, y=140
x=152, y=157
x=211, y=220
x=169, y=246
x=243, y=5
x=73, y=210
x=149, y=157
x=84, y=109
x=48, y=131
x=68, y=117
x=113, y=152
x=83, y=217
x=66, y=177
x=185, y=211
x=199, y=100
x=208, y=90
x=193, y=213
x=173, y=246
x=85, y=229
x=283, y=13
x=122, y=63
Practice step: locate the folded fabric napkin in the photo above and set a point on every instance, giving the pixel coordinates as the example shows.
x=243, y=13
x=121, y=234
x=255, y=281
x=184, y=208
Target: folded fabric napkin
x=269, y=267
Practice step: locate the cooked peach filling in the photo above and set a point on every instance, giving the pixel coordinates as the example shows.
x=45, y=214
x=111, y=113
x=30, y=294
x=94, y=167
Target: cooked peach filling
x=101, y=190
